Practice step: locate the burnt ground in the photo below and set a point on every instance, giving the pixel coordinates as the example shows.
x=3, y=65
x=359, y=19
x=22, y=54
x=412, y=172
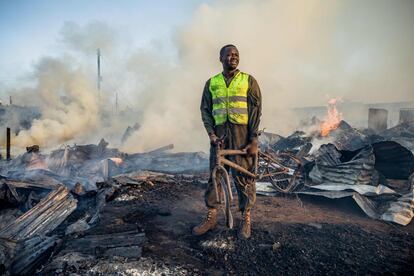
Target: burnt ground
x=290, y=236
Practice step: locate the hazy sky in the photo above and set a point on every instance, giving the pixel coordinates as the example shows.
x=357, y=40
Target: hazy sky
x=29, y=29
x=157, y=55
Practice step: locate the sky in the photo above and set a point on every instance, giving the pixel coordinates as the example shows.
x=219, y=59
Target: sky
x=157, y=56
x=29, y=29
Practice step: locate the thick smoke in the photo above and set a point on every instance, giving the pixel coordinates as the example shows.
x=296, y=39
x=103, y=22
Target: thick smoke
x=299, y=51
x=86, y=39
x=64, y=89
x=68, y=103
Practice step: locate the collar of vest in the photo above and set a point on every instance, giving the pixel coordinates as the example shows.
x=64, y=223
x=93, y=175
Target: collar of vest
x=235, y=75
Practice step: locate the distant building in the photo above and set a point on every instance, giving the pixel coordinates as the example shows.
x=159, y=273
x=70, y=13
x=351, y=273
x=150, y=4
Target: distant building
x=355, y=113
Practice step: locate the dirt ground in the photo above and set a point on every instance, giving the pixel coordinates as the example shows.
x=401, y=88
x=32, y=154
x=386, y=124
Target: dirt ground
x=290, y=236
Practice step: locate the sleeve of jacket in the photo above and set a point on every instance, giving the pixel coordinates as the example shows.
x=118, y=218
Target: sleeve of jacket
x=254, y=101
x=206, y=109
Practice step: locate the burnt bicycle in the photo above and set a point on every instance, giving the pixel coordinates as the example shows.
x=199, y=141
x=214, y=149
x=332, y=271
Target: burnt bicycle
x=282, y=170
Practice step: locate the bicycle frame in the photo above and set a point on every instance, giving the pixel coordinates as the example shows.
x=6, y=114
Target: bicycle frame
x=221, y=161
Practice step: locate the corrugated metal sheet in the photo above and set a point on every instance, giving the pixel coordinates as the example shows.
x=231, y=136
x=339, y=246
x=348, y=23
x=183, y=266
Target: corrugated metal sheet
x=362, y=167
x=329, y=169
x=347, y=137
x=402, y=210
x=393, y=160
x=338, y=174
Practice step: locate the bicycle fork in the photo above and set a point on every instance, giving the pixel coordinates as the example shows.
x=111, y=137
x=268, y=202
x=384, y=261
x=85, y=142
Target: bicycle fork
x=226, y=188
x=224, y=176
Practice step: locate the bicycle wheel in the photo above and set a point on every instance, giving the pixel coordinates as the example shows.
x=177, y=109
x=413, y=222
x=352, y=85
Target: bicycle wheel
x=219, y=173
x=283, y=171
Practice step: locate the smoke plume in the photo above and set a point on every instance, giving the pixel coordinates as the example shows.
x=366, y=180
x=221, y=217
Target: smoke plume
x=299, y=51
x=68, y=103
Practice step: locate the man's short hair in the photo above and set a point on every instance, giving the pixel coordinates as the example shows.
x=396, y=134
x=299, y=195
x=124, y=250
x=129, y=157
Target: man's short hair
x=224, y=48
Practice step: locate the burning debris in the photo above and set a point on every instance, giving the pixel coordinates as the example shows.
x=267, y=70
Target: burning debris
x=26, y=240
x=63, y=194
x=374, y=168
x=332, y=119
x=56, y=201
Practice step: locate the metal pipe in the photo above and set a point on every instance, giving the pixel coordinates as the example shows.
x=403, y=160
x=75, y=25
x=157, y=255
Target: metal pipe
x=237, y=167
x=232, y=152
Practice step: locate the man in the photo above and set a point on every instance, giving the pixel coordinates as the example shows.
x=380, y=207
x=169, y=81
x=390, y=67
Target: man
x=231, y=107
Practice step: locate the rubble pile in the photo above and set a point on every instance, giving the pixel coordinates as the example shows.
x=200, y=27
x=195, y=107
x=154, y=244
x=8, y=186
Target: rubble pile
x=375, y=169
x=402, y=134
x=52, y=204
x=49, y=203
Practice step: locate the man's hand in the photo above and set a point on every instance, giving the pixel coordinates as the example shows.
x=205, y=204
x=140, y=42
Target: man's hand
x=253, y=147
x=213, y=139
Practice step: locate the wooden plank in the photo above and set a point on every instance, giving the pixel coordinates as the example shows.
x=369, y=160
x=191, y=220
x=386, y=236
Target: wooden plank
x=29, y=184
x=127, y=252
x=161, y=149
x=31, y=254
x=99, y=244
x=22, y=257
x=27, y=218
x=49, y=219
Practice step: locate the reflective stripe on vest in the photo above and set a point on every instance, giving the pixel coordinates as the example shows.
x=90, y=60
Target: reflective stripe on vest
x=230, y=103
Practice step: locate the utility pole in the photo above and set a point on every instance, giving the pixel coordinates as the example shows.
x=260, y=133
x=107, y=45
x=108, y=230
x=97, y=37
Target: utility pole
x=98, y=53
x=116, y=102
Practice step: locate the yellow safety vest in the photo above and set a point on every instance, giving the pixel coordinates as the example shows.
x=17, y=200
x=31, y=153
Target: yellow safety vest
x=230, y=103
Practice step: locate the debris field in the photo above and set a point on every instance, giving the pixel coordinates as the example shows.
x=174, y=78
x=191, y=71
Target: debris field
x=93, y=210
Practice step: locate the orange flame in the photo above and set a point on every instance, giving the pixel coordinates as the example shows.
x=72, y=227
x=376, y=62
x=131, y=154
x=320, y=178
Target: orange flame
x=118, y=161
x=332, y=118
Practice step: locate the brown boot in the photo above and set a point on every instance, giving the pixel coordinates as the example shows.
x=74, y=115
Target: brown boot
x=208, y=223
x=245, y=230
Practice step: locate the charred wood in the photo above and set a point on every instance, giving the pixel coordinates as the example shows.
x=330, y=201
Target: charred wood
x=22, y=257
x=129, y=131
x=28, y=184
x=161, y=149
x=42, y=218
x=34, y=148
x=126, y=244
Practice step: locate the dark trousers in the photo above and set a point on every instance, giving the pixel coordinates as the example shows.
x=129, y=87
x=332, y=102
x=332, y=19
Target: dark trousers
x=236, y=137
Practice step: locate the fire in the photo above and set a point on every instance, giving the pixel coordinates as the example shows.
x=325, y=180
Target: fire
x=332, y=118
x=118, y=161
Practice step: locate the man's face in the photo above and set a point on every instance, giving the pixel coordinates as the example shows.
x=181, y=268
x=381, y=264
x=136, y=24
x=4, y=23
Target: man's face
x=230, y=58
